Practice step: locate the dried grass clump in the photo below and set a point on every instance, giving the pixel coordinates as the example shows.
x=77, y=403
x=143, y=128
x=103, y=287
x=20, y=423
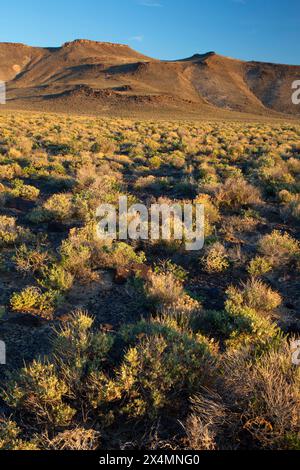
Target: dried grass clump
x=267, y=392
x=236, y=193
x=238, y=224
x=204, y=425
x=74, y=439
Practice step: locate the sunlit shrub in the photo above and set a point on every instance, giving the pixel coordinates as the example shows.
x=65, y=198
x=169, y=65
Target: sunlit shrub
x=11, y=233
x=216, y=259
x=123, y=254
x=211, y=213
x=280, y=249
x=256, y=295
x=276, y=178
x=162, y=366
x=39, y=392
x=57, y=278
x=76, y=258
x=10, y=171
x=251, y=330
x=292, y=208
x=259, y=266
x=19, y=189
x=285, y=196
x=163, y=289
x=237, y=192
x=32, y=300
x=10, y=437
x=155, y=163
x=268, y=392
x=58, y=207
x=30, y=260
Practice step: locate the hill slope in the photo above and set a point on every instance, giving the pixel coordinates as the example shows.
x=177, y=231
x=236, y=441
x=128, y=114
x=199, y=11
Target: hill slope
x=89, y=76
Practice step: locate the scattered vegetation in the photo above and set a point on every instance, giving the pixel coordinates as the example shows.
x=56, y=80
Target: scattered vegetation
x=141, y=344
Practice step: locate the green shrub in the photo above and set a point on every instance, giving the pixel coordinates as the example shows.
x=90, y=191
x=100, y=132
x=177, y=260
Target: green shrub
x=58, y=207
x=76, y=258
x=168, y=267
x=10, y=437
x=19, y=189
x=256, y=295
x=39, y=392
x=79, y=349
x=254, y=332
x=32, y=300
x=259, y=266
x=155, y=163
x=218, y=324
x=161, y=367
x=123, y=254
x=57, y=278
x=50, y=394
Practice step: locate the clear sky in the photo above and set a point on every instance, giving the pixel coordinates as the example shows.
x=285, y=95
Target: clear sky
x=267, y=30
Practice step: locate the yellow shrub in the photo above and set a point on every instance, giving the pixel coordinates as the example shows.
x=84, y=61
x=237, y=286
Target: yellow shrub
x=11, y=233
x=255, y=294
x=215, y=259
x=32, y=300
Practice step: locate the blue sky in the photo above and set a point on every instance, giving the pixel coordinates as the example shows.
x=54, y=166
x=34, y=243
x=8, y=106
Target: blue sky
x=267, y=30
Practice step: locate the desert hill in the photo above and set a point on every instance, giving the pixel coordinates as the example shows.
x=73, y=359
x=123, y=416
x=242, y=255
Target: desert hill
x=97, y=77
